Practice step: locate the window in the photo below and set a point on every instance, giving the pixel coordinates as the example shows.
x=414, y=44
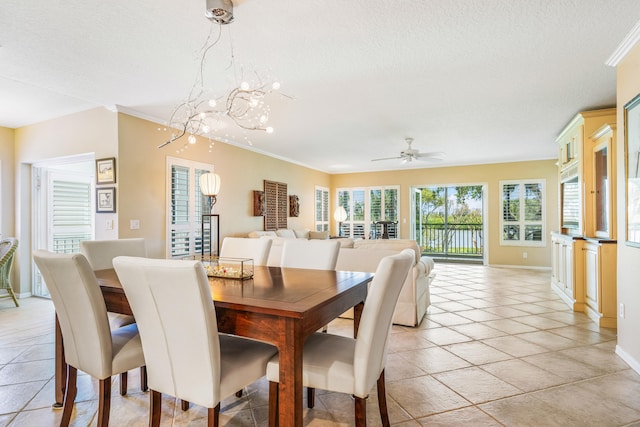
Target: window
x=322, y=209
x=186, y=206
x=522, y=221
x=365, y=206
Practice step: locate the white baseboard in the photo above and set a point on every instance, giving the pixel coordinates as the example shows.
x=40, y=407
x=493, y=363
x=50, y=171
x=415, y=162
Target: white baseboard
x=632, y=362
x=528, y=267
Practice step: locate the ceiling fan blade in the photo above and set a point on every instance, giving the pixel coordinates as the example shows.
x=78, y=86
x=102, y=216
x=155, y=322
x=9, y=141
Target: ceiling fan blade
x=388, y=158
x=431, y=155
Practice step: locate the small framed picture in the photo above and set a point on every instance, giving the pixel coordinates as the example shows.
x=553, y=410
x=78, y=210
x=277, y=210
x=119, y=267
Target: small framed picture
x=106, y=200
x=106, y=171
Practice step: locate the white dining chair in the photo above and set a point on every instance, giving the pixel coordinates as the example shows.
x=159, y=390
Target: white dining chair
x=100, y=254
x=311, y=254
x=90, y=344
x=241, y=247
x=186, y=356
x=314, y=255
x=353, y=365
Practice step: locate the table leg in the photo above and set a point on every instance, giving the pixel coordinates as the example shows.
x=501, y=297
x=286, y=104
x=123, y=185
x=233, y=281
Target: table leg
x=60, y=377
x=357, y=314
x=290, y=385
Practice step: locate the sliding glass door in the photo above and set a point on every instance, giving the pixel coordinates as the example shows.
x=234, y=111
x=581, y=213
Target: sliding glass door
x=447, y=221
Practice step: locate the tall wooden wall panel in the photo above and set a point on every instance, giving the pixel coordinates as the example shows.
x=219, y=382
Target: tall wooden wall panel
x=276, y=205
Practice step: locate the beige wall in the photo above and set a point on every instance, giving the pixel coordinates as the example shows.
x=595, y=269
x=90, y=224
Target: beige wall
x=628, y=265
x=92, y=131
x=142, y=183
x=488, y=175
x=7, y=182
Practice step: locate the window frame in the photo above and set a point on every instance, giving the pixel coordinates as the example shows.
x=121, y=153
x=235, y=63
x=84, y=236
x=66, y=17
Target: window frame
x=366, y=224
x=197, y=204
x=322, y=219
x=522, y=222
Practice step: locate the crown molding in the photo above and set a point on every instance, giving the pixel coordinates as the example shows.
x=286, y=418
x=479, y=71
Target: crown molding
x=625, y=46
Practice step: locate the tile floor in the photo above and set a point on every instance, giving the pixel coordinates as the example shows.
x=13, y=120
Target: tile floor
x=498, y=347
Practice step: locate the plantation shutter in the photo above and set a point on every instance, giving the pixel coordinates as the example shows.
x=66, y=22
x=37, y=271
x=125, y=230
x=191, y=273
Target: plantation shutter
x=72, y=214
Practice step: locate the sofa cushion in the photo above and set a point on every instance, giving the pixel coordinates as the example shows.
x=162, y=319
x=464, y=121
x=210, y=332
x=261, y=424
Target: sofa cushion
x=301, y=234
x=286, y=233
x=345, y=242
x=256, y=234
x=352, y=259
x=389, y=244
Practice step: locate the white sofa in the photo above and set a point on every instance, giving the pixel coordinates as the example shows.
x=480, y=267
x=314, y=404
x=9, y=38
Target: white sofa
x=414, y=297
x=364, y=255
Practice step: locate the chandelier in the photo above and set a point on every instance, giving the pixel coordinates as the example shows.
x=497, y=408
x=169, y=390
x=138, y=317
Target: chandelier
x=245, y=105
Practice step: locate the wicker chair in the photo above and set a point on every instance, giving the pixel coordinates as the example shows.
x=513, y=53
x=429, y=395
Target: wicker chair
x=7, y=251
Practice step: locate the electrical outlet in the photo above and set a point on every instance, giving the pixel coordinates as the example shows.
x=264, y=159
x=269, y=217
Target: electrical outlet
x=621, y=310
x=109, y=225
x=134, y=224
x=524, y=255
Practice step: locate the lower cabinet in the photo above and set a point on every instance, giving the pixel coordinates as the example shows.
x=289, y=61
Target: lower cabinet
x=583, y=274
x=567, y=274
x=600, y=282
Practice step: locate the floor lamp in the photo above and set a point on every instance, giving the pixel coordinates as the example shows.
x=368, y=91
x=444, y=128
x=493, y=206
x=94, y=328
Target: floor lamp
x=210, y=187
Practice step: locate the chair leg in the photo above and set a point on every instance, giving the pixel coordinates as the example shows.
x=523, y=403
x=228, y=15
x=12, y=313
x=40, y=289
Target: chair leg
x=273, y=404
x=213, y=419
x=311, y=397
x=13, y=296
x=70, y=395
x=104, y=402
x=155, y=408
x=382, y=400
x=361, y=411
x=143, y=378
x=123, y=384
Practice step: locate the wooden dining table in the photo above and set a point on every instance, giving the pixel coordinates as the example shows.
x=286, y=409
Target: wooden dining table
x=282, y=306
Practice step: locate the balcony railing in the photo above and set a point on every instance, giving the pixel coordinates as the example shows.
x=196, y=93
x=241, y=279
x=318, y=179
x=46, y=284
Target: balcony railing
x=451, y=240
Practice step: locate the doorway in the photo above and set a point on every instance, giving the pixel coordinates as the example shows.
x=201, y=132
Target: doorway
x=63, y=207
x=447, y=221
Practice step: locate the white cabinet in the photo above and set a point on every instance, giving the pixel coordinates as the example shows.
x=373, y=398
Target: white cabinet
x=567, y=277
x=600, y=281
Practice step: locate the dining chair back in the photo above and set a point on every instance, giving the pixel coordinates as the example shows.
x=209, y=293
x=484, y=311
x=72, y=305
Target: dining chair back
x=186, y=357
x=241, y=247
x=7, y=251
x=311, y=254
x=353, y=365
x=100, y=253
x=89, y=343
x=375, y=323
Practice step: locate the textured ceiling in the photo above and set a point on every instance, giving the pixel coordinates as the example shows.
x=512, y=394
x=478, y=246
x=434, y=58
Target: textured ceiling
x=481, y=80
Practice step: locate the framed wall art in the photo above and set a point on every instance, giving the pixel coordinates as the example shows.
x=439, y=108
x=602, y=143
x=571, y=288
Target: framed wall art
x=632, y=165
x=106, y=171
x=106, y=200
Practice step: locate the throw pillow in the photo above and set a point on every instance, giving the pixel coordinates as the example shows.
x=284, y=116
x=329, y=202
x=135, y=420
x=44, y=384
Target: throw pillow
x=320, y=235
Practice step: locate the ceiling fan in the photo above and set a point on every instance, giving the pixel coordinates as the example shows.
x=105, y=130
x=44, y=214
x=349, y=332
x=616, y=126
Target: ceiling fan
x=410, y=154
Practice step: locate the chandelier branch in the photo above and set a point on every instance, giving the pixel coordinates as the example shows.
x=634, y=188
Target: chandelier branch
x=245, y=104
